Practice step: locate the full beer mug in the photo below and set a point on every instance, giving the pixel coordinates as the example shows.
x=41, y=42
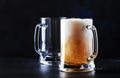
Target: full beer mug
x=79, y=45
x=46, y=40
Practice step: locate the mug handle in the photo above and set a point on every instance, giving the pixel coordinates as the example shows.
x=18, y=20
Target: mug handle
x=95, y=37
x=37, y=39
x=40, y=40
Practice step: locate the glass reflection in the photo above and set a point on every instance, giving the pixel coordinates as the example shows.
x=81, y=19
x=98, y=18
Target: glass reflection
x=77, y=75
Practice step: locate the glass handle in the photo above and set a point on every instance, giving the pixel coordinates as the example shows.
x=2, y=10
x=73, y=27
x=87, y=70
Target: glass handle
x=95, y=43
x=37, y=38
x=40, y=37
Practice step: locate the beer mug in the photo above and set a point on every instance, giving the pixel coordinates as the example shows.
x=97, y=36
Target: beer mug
x=79, y=45
x=46, y=40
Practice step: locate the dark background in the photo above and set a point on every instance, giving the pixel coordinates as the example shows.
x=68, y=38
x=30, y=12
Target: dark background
x=19, y=17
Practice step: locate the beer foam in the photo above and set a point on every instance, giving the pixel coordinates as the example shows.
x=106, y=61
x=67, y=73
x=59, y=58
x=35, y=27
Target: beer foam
x=86, y=21
x=66, y=24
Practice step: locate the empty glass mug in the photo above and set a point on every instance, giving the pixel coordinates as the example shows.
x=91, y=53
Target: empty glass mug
x=46, y=40
x=79, y=45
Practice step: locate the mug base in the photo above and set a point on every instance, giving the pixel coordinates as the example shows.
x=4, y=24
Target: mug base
x=50, y=59
x=81, y=68
x=75, y=70
x=49, y=62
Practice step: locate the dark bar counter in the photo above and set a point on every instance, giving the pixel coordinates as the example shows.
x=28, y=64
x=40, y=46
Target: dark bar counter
x=31, y=68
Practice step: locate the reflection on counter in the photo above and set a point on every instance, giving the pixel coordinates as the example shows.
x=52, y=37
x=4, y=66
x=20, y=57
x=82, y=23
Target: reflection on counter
x=78, y=75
